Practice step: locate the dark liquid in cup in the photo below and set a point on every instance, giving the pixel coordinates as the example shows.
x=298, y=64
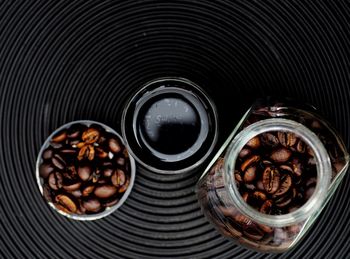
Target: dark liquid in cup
x=172, y=125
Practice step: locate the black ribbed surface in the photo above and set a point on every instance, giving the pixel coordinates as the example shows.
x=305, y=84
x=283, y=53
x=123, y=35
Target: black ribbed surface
x=67, y=60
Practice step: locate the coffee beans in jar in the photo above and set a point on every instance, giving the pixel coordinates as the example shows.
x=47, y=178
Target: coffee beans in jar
x=272, y=177
x=84, y=170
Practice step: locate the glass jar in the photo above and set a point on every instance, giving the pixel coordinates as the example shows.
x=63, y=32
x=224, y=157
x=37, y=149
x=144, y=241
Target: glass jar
x=225, y=189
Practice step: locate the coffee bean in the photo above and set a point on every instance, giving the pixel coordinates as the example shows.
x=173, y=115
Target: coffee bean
x=47, y=154
x=105, y=191
x=84, y=172
x=242, y=220
x=67, y=203
x=72, y=187
x=60, y=137
x=108, y=172
x=238, y=176
x=253, y=232
x=74, y=134
x=287, y=139
x=125, y=186
x=68, y=152
x=250, y=187
x=266, y=207
x=260, y=185
x=297, y=167
x=55, y=181
x=301, y=146
x=56, y=146
x=114, y=145
x=250, y=161
x=118, y=178
x=77, y=193
x=283, y=201
x=271, y=180
x=111, y=203
x=45, y=169
x=90, y=136
x=120, y=161
x=265, y=228
x=269, y=140
x=285, y=184
x=244, y=152
x=280, y=155
x=250, y=174
x=101, y=153
x=88, y=190
x=254, y=143
x=92, y=205
x=258, y=195
x=58, y=162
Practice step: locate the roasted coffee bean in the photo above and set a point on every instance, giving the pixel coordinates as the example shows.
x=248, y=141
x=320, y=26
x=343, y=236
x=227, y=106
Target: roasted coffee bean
x=111, y=203
x=258, y=195
x=45, y=169
x=60, y=137
x=68, y=152
x=74, y=142
x=90, y=136
x=74, y=134
x=88, y=190
x=77, y=193
x=238, y=176
x=102, y=181
x=242, y=220
x=72, y=187
x=55, y=181
x=47, y=154
x=108, y=172
x=101, y=153
x=56, y=146
x=265, y=228
x=92, y=205
x=58, y=162
x=114, y=145
x=297, y=167
x=283, y=201
x=67, y=203
x=84, y=172
x=120, y=161
x=254, y=143
x=287, y=139
x=250, y=161
x=125, y=186
x=271, y=180
x=287, y=168
x=105, y=191
x=280, y=155
x=266, y=207
x=250, y=187
x=118, y=178
x=260, y=185
x=285, y=185
x=301, y=147
x=269, y=140
x=245, y=152
x=253, y=232
x=250, y=174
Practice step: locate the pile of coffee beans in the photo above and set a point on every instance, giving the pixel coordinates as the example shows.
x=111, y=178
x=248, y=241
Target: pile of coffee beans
x=84, y=170
x=276, y=172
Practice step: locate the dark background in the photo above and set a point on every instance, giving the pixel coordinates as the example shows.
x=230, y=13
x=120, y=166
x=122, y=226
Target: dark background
x=67, y=60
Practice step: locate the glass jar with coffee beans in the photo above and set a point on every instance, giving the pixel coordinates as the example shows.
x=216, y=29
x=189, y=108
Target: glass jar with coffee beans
x=84, y=170
x=273, y=175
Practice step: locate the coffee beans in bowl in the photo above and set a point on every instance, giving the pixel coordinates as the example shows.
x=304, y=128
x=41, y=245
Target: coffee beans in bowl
x=84, y=170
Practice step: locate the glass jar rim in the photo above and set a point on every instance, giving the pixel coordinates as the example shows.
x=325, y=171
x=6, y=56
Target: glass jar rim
x=323, y=166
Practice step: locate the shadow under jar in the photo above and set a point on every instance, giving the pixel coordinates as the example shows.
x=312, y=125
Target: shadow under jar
x=273, y=176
